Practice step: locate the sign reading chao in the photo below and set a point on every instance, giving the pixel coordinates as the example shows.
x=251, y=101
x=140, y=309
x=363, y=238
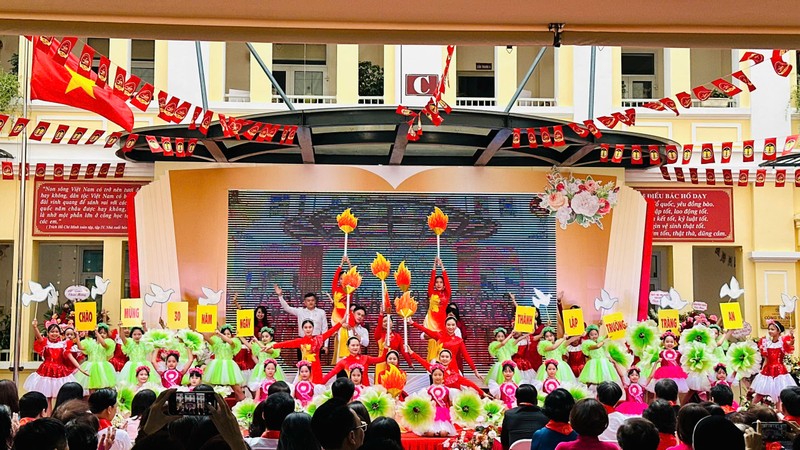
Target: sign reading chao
x=82, y=209
x=689, y=214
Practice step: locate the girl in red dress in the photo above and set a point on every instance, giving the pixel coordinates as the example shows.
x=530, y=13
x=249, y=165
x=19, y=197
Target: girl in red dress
x=309, y=346
x=527, y=357
x=355, y=357
x=452, y=377
x=120, y=358
x=244, y=359
x=669, y=364
x=58, y=365
x=450, y=342
x=773, y=377
x=439, y=292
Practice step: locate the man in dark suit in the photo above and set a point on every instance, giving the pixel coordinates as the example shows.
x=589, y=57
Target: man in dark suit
x=521, y=422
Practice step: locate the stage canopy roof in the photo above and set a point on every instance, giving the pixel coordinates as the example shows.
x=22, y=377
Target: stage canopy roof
x=372, y=135
x=644, y=23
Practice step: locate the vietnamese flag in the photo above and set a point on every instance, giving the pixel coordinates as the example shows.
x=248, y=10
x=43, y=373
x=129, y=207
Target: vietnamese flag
x=63, y=84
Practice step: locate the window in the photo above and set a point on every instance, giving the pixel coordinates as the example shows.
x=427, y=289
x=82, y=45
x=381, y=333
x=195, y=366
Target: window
x=475, y=86
x=639, y=75
x=126, y=271
x=6, y=287
x=301, y=69
x=712, y=267
x=70, y=264
x=143, y=56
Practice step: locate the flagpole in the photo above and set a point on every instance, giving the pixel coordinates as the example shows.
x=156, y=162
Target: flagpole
x=23, y=187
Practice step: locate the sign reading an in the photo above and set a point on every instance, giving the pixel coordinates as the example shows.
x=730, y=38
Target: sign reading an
x=524, y=318
x=82, y=208
x=731, y=315
x=692, y=214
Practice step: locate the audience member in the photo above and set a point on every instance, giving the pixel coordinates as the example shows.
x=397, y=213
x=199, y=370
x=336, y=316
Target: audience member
x=276, y=408
x=609, y=393
x=381, y=430
x=722, y=395
x=32, y=406
x=337, y=427
x=9, y=395
x=6, y=428
x=742, y=417
x=70, y=410
x=361, y=411
x=257, y=425
x=589, y=419
x=82, y=432
x=524, y=420
x=790, y=404
x=141, y=402
x=296, y=433
x=69, y=391
x=714, y=433
x=103, y=404
x=637, y=434
x=764, y=413
x=688, y=417
x=667, y=389
x=343, y=389
x=279, y=386
x=661, y=413
x=41, y=434
x=557, y=407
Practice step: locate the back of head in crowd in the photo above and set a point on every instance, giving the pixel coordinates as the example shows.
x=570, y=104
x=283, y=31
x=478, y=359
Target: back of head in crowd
x=101, y=400
x=382, y=429
x=688, y=417
x=276, y=408
x=361, y=411
x=662, y=415
x=382, y=444
x=278, y=386
x=526, y=393
x=336, y=426
x=258, y=426
x=69, y=391
x=722, y=395
x=713, y=408
x=32, y=405
x=142, y=401
x=666, y=389
x=790, y=400
x=343, y=389
x=70, y=410
x=763, y=413
x=41, y=434
x=296, y=433
x=9, y=395
x=638, y=434
x=6, y=430
x=558, y=404
x=715, y=432
x=609, y=393
x=82, y=432
x=588, y=417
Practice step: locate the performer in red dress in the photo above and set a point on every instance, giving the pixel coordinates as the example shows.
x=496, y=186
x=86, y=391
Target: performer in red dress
x=120, y=358
x=527, y=356
x=309, y=346
x=244, y=359
x=355, y=357
x=447, y=340
x=452, y=378
x=774, y=377
x=439, y=297
x=58, y=365
x=395, y=339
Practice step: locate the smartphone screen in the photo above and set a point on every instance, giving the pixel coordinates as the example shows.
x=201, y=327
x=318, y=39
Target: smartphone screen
x=191, y=403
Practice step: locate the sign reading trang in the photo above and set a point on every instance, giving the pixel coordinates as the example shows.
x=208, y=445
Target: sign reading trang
x=692, y=214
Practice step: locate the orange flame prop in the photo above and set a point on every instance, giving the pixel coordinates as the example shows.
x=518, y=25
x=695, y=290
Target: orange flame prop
x=351, y=280
x=402, y=277
x=393, y=380
x=347, y=221
x=381, y=267
x=437, y=221
x=406, y=306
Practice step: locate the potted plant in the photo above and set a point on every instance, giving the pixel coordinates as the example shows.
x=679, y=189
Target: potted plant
x=718, y=99
x=370, y=79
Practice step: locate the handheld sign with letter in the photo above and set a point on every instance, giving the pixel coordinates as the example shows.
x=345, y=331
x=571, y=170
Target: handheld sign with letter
x=131, y=312
x=615, y=325
x=177, y=315
x=245, y=326
x=206, y=319
x=668, y=320
x=573, y=322
x=524, y=318
x=85, y=316
x=732, y=315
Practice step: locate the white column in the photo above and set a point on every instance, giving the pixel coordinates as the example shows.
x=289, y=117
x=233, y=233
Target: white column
x=603, y=73
x=769, y=103
x=183, y=76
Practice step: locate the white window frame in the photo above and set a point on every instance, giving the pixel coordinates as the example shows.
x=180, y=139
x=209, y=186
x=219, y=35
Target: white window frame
x=290, y=70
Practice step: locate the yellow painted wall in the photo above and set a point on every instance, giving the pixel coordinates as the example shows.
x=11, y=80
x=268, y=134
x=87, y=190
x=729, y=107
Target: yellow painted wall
x=389, y=74
x=565, y=65
x=708, y=64
x=347, y=74
x=260, y=86
x=505, y=74
x=542, y=82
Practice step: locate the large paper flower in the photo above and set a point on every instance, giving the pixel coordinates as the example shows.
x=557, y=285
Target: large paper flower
x=467, y=407
x=351, y=280
x=379, y=403
x=585, y=203
x=437, y=221
x=402, y=276
x=493, y=411
x=243, y=411
x=159, y=338
x=696, y=358
x=347, y=221
x=698, y=334
x=406, y=306
x=417, y=412
x=193, y=340
x=125, y=396
x=381, y=267
x=642, y=335
x=619, y=353
x=745, y=359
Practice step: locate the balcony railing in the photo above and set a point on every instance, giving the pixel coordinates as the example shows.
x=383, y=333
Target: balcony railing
x=475, y=102
x=537, y=102
x=370, y=100
x=307, y=99
x=634, y=102
x=710, y=103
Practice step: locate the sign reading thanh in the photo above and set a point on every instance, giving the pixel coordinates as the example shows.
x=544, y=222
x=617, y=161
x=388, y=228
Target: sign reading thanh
x=692, y=214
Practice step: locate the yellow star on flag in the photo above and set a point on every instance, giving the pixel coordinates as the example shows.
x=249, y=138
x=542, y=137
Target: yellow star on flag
x=79, y=81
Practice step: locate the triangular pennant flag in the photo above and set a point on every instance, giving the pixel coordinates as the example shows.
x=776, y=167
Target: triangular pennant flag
x=739, y=75
x=590, y=125
x=130, y=142
x=152, y=142
x=780, y=66
x=207, y=117
x=628, y=117
x=657, y=106
x=8, y=170
x=85, y=61
x=44, y=42
x=38, y=133
x=687, y=153
x=166, y=145
x=119, y=172
x=579, y=130
x=702, y=93
x=97, y=134
x=61, y=131
x=39, y=172
x=685, y=99
x=727, y=151
x=544, y=135
x=181, y=112
x=18, y=127
x=670, y=103
x=103, y=172
x=77, y=135
x=608, y=122
x=195, y=115
x=757, y=58
x=532, y=138
x=252, y=131
x=789, y=144
x=707, y=154
x=112, y=139
x=58, y=172
x=64, y=49
x=558, y=136
x=292, y=133
x=515, y=137
x=769, y=153
x=89, y=171
x=726, y=87
x=103, y=70
x=711, y=178
x=143, y=98
x=780, y=177
x=74, y=171
x=191, y=146
x=672, y=154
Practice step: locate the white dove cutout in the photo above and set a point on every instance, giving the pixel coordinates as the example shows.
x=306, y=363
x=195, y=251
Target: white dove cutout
x=787, y=305
x=211, y=297
x=52, y=296
x=731, y=289
x=100, y=287
x=540, y=299
x=159, y=295
x=606, y=301
x=38, y=293
x=674, y=301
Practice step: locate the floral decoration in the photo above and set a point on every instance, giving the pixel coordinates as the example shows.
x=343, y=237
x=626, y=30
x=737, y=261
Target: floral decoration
x=574, y=200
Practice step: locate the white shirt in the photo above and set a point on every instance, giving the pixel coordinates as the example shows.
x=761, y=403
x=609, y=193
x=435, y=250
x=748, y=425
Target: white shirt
x=361, y=333
x=615, y=420
x=316, y=315
x=121, y=442
x=260, y=443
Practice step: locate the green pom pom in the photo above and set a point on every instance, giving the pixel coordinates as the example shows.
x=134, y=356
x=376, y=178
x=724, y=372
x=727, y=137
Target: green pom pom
x=744, y=359
x=493, y=411
x=697, y=334
x=467, y=407
x=243, y=411
x=619, y=353
x=192, y=340
x=579, y=391
x=378, y=402
x=697, y=358
x=159, y=338
x=125, y=395
x=642, y=335
x=649, y=358
x=223, y=391
x=418, y=412
x=317, y=401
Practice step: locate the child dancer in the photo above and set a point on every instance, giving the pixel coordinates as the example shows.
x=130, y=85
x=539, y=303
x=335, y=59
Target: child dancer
x=554, y=349
x=222, y=370
x=394, y=340
x=305, y=388
x=506, y=392
x=527, y=357
x=392, y=378
x=551, y=382
x=502, y=349
x=262, y=352
x=356, y=372
x=270, y=368
x=119, y=358
x=310, y=345
x=171, y=376
x=355, y=357
x=195, y=378
x=58, y=365
x=71, y=336
x=721, y=377
x=450, y=342
x=98, y=351
x=452, y=378
x=773, y=377
x=575, y=357
x=634, y=403
x=669, y=364
x=441, y=397
x=137, y=352
x=244, y=359
x=598, y=366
